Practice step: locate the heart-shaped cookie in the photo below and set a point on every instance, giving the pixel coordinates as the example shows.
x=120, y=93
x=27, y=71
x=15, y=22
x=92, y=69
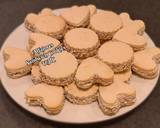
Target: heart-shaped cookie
x=51, y=98
x=92, y=70
x=144, y=63
x=77, y=16
x=15, y=62
x=119, y=94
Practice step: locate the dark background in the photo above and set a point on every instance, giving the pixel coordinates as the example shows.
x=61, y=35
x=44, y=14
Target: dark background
x=12, y=14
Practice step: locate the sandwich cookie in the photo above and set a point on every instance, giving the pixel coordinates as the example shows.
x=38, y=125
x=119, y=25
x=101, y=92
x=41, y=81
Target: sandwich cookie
x=144, y=63
x=38, y=40
x=81, y=97
x=93, y=9
x=117, y=95
x=62, y=71
x=77, y=16
x=15, y=62
x=119, y=56
x=132, y=35
x=35, y=74
x=31, y=18
x=81, y=42
x=105, y=24
x=91, y=71
x=128, y=22
x=51, y=98
x=123, y=76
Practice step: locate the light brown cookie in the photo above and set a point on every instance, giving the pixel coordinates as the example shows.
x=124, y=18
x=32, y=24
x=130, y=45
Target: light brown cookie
x=81, y=42
x=123, y=76
x=93, y=9
x=15, y=62
x=119, y=94
x=38, y=40
x=62, y=71
x=144, y=63
x=35, y=74
x=119, y=56
x=132, y=35
x=78, y=96
x=91, y=71
x=51, y=98
x=105, y=24
x=46, y=23
x=77, y=16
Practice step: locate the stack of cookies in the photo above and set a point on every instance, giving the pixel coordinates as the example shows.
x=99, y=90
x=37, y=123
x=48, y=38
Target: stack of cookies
x=100, y=49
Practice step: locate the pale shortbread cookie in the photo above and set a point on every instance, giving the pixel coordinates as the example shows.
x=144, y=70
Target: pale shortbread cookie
x=38, y=40
x=119, y=56
x=91, y=71
x=105, y=24
x=15, y=62
x=31, y=18
x=46, y=23
x=77, y=16
x=93, y=9
x=78, y=96
x=35, y=74
x=123, y=76
x=128, y=22
x=62, y=71
x=81, y=42
x=112, y=98
x=144, y=63
x=51, y=98
x=131, y=35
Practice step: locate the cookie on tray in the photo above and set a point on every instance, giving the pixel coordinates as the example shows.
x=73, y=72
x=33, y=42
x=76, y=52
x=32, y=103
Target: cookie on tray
x=81, y=42
x=91, y=71
x=93, y=9
x=78, y=96
x=144, y=63
x=77, y=16
x=38, y=40
x=123, y=76
x=51, y=98
x=115, y=96
x=35, y=74
x=118, y=55
x=105, y=24
x=15, y=62
x=131, y=35
x=62, y=71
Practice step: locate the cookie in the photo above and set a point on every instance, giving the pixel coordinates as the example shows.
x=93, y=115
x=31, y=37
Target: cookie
x=15, y=62
x=105, y=24
x=51, y=98
x=119, y=56
x=31, y=18
x=91, y=71
x=131, y=35
x=77, y=16
x=38, y=40
x=128, y=22
x=93, y=9
x=81, y=97
x=46, y=23
x=35, y=74
x=81, y=42
x=144, y=63
x=123, y=76
x=62, y=71
x=115, y=96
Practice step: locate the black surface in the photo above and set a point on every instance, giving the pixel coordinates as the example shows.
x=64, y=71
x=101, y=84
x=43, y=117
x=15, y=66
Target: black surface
x=12, y=13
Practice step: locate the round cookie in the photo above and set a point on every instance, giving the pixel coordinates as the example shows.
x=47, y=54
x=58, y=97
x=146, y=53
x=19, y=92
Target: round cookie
x=119, y=56
x=105, y=24
x=78, y=96
x=62, y=71
x=81, y=42
x=53, y=26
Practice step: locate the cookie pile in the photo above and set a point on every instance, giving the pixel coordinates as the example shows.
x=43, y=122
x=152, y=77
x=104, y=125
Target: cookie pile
x=102, y=49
